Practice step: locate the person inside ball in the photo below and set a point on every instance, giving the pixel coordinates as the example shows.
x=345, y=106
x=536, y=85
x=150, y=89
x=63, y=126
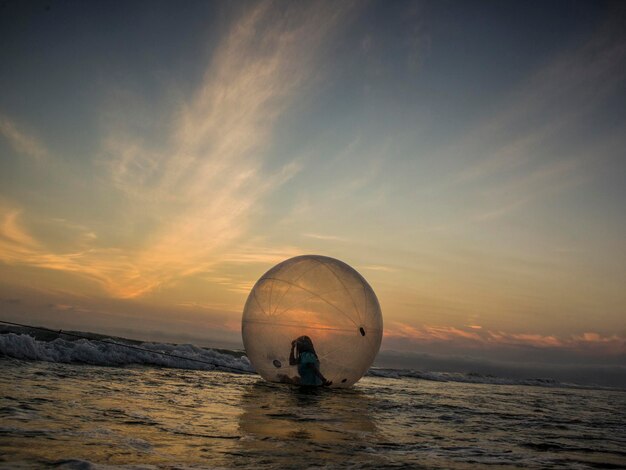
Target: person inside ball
x=304, y=356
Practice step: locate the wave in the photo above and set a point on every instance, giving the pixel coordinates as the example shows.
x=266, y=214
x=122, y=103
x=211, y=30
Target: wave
x=121, y=352
x=84, y=351
x=472, y=377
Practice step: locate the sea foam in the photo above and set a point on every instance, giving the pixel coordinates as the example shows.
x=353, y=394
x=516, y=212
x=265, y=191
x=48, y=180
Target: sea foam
x=21, y=346
x=116, y=353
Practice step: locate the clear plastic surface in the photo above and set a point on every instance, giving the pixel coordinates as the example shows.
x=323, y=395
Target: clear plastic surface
x=320, y=298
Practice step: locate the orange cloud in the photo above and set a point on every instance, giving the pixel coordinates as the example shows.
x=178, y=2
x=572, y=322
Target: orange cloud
x=429, y=333
x=523, y=338
x=13, y=237
x=204, y=185
x=589, y=341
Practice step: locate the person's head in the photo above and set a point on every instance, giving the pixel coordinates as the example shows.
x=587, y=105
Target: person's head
x=304, y=344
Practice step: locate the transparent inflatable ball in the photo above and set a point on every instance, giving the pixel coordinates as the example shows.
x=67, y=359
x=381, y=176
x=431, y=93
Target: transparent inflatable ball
x=312, y=320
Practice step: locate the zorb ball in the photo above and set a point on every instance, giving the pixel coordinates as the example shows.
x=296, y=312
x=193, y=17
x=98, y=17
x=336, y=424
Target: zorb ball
x=320, y=298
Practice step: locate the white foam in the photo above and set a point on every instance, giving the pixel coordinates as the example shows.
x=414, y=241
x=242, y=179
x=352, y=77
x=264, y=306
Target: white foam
x=107, y=354
x=22, y=346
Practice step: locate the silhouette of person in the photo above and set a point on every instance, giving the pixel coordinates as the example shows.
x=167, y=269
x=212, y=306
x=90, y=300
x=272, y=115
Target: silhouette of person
x=304, y=356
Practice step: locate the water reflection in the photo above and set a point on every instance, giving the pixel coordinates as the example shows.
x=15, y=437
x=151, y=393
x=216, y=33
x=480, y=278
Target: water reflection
x=290, y=426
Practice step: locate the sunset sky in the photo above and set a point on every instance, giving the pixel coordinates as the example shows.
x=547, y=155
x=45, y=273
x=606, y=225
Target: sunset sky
x=468, y=158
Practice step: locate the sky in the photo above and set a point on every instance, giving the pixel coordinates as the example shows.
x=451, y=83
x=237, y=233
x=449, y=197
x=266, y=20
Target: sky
x=466, y=157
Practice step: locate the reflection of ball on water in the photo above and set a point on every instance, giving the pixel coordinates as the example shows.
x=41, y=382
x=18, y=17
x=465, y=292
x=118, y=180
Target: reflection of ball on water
x=322, y=298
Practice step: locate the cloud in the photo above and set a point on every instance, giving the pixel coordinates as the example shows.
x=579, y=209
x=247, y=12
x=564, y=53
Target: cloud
x=429, y=333
x=481, y=338
x=18, y=246
x=248, y=254
x=192, y=197
x=319, y=236
x=526, y=150
x=547, y=179
x=13, y=237
x=20, y=141
x=378, y=267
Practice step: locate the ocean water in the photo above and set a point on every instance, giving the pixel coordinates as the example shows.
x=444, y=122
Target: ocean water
x=78, y=415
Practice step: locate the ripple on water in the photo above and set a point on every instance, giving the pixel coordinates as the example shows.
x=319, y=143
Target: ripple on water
x=81, y=415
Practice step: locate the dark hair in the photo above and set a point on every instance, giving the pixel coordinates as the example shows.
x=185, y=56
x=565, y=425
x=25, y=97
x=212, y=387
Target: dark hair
x=304, y=344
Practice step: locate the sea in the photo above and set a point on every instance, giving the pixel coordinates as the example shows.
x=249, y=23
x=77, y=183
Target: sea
x=87, y=404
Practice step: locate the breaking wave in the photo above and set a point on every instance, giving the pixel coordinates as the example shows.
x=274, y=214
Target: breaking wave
x=22, y=346
x=117, y=353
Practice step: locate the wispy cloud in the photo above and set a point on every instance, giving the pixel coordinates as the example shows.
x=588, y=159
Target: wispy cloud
x=250, y=254
x=523, y=151
x=429, y=332
x=200, y=188
x=320, y=236
x=18, y=246
x=378, y=267
x=20, y=140
x=12, y=233
x=479, y=337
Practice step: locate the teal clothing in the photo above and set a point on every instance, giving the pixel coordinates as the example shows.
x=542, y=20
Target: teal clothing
x=307, y=364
